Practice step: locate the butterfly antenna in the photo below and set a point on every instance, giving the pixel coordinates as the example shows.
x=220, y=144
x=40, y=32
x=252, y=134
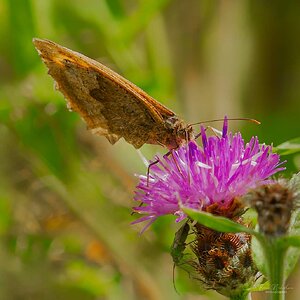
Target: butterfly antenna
x=230, y=119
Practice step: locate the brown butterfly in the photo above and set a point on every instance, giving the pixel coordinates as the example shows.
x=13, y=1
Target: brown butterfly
x=111, y=105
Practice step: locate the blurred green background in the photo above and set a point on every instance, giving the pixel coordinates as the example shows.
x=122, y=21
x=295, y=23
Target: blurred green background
x=65, y=194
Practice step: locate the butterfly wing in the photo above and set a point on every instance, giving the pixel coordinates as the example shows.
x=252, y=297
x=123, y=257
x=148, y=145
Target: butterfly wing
x=110, y=105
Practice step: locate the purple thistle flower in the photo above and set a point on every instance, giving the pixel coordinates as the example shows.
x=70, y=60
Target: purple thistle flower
x=211, y=176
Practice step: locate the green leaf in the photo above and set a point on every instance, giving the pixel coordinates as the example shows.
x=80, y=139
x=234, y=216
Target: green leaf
x=294, y=182
x=290, y=241
x=258, y=255
x=217, y=223
x=288, y=147
x=291, y=260
x=260, y=288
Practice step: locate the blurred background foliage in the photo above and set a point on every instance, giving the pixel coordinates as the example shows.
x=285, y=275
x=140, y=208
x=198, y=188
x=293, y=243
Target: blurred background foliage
x=65, y=194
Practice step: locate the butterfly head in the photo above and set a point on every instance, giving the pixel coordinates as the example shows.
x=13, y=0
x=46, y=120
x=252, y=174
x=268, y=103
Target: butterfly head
x=179, y=132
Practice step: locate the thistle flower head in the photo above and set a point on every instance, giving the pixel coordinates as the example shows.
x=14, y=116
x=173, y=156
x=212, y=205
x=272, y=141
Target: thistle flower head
x=207, y=178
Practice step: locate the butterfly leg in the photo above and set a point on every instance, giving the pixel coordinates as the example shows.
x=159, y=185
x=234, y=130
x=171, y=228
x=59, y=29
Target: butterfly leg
x=148, y=175
x=188, y=157
x=157, y=161
x=199, y=134
x=149, y=167
x=175, y=161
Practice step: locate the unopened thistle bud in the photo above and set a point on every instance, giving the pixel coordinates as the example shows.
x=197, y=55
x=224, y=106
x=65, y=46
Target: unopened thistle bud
x=274, y=204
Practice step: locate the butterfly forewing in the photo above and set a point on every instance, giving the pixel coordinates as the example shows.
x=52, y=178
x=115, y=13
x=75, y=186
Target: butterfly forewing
x=110, y=105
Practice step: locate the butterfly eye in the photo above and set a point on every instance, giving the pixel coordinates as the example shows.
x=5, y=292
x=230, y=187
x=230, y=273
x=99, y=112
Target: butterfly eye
x=171, y=121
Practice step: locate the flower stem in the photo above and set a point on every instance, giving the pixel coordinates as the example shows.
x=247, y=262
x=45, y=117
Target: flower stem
x=242, y=296
x=274, y=254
